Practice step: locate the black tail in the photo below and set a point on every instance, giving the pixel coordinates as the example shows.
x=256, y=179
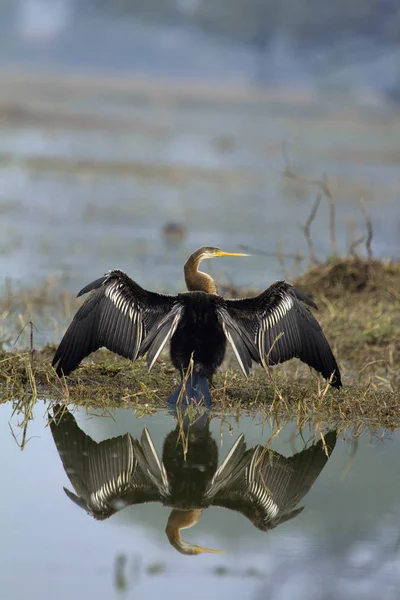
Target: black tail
x=193, y=391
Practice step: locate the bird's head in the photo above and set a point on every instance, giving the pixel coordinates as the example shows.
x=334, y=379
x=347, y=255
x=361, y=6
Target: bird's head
x=212, y=252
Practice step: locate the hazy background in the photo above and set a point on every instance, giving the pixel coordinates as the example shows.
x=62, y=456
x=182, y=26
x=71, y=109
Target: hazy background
x=341, y=43
x=117, y=118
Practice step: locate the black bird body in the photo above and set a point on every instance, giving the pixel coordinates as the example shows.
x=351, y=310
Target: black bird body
x=199, y=333
x=190, y=458
x=268, y=329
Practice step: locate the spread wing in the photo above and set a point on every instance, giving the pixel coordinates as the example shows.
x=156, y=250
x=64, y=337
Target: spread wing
x=276, y=326
x=106, y=476
x=266, y=486
x=121, y=316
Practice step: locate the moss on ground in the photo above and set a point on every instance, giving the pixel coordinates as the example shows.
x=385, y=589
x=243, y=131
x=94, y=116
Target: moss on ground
x=359, y=304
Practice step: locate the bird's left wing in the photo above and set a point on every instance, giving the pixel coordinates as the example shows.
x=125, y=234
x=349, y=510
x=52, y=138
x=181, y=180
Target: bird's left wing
x=106, y=476
x=279, y=325
x=150, y=464
x=123, y=317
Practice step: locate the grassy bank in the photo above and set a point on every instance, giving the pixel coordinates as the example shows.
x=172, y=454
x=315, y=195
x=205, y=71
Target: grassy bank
x=359, y=308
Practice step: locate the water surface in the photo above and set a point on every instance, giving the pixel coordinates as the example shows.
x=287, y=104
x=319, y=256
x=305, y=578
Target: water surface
x=343, y=544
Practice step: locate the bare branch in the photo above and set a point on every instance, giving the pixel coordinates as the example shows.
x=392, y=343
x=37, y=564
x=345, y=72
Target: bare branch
x=370, y=232
x=353, y=246
x=290, y=173
x=306, y=228
x=332, y=228
x=32, y=327
x=323, y=185
x=281, y=260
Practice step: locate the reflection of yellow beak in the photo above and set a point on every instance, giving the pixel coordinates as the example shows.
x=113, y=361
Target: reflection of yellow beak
x=221, y=253
x=200, y=549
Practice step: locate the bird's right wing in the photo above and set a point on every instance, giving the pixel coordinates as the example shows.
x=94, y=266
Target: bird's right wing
x=123, y=317
x=266, y=486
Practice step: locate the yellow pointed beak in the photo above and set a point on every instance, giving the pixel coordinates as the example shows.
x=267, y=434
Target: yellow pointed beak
x=200, y=550
x=221, y=253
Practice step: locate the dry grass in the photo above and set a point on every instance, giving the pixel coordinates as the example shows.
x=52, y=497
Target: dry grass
x=360, y=314
x=343, y=277
x=360, y=309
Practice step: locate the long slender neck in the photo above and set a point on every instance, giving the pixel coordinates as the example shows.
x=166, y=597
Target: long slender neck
x=183, y=519
x=197, y=281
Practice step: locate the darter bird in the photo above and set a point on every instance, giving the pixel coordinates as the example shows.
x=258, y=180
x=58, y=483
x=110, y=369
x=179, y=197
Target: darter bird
x=267, y=329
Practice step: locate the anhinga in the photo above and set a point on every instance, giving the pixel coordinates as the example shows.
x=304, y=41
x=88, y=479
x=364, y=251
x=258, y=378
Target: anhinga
x=268, y=329
x=263, y=485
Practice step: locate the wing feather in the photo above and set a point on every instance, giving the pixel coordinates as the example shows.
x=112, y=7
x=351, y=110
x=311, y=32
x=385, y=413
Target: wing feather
x=106, y=476
x=160, y=334
x=266, y=486
x=243, y=346
x=283, y=327
x=150, y=464
x=121, y=316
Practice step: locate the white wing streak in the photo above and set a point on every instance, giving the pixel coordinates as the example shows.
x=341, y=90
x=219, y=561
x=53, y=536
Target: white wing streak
x=121, y=316
x=281, y=327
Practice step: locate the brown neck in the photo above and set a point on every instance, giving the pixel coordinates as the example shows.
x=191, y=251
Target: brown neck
x=183, y=519
x=197, y=281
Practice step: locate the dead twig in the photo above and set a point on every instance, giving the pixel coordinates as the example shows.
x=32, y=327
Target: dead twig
x=306, y=228
x=370, y=232
x=332, y=226
x=323, y=186
x=353, y=246
x=31, y=347
x=324, y=189
x=281, y=260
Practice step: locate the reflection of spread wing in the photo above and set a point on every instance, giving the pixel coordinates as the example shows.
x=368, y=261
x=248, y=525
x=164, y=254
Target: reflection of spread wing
x=150, y=465
x=106, y=476
x=264, y=485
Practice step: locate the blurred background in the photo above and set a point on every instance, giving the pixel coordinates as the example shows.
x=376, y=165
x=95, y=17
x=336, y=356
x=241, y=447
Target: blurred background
x=133, y=133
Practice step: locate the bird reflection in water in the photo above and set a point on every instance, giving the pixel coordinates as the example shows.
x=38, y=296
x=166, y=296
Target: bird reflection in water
x=258, y=482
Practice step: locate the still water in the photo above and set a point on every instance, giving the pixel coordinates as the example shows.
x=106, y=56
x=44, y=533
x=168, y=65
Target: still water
x=296, y=514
